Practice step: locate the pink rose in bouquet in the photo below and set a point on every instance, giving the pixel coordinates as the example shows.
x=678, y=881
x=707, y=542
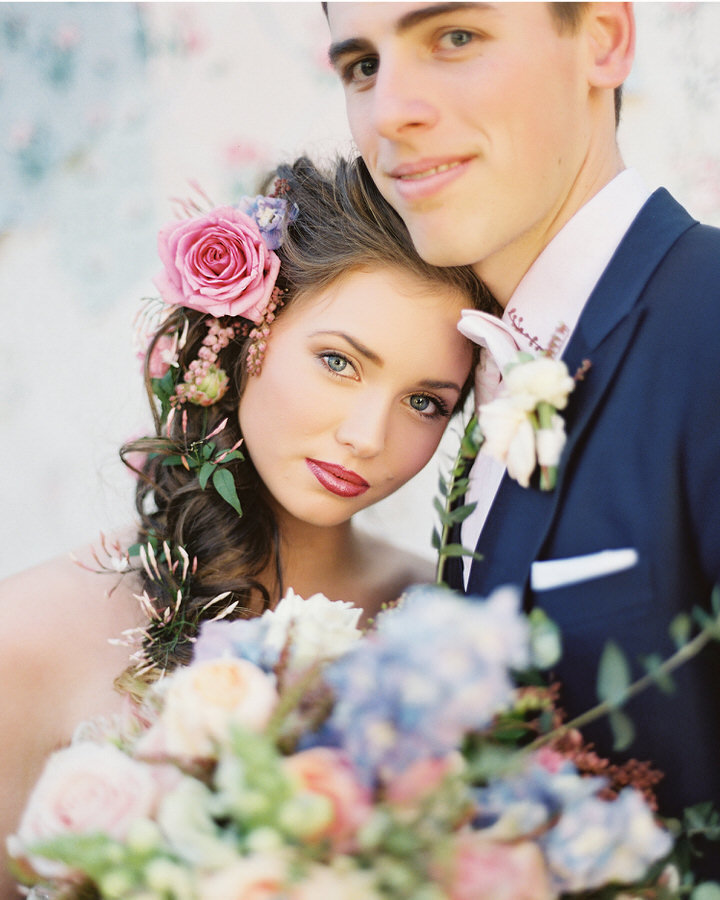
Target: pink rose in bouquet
x=218, y=264
x=422, y=778
x=477, y=867
x=329, y=773
x=88, y=788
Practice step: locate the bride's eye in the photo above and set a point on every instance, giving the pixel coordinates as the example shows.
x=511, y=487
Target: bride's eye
x=338, y=364
x=429, y=407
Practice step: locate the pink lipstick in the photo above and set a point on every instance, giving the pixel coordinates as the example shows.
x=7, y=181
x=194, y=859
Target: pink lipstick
x=337, y=479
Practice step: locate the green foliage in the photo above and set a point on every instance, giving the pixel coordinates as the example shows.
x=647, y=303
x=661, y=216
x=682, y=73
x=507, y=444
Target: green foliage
x=452, y=490
x=613, y=676
x=204, y=457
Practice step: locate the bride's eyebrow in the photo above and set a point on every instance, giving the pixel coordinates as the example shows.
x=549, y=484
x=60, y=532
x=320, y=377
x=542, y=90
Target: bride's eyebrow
x=440, y=385
x=355, y=344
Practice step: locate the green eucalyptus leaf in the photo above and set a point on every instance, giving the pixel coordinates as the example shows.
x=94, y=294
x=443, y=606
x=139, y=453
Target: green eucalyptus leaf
x=653, y=666
x=224, y=484
x=622, y=728
x=461, y=513
x=680, y=629
x=435, y=539
x=174, y=460
x=459, y=550
x=613, y=675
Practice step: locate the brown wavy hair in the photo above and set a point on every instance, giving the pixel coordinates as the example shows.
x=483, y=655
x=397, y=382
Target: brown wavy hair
x=342, y=223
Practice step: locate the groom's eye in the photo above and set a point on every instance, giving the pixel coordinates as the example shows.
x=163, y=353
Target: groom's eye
x=361, y=70
x=459, y=37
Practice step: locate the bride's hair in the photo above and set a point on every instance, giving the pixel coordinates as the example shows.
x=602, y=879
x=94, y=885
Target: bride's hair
x=342, y=223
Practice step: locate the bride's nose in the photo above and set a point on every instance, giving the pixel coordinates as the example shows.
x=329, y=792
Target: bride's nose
x=364, y=427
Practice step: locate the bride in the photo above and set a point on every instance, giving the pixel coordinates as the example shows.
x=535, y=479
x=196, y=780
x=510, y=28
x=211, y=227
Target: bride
x=304, y=365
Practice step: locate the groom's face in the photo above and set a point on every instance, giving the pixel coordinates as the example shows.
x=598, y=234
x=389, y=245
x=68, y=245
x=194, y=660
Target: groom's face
x=473, y=121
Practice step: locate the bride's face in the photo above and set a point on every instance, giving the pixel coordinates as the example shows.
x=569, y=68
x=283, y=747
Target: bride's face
x=357, y=386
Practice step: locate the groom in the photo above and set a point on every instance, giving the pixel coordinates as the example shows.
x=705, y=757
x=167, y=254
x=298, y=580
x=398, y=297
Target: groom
x=491, y=130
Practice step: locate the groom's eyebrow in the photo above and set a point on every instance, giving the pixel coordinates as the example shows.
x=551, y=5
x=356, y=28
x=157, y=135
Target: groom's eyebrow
x=355, y=344
x=404, y=23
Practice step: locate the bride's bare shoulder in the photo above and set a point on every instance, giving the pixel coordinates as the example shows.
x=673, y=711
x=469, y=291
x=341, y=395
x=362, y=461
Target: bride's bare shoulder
x=58, y=619
x=58, y=603
x=57, y=667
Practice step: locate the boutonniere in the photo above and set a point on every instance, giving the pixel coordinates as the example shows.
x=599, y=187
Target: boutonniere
x=522, y=427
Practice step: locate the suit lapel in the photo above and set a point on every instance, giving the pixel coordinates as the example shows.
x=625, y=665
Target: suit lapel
x=520, y=518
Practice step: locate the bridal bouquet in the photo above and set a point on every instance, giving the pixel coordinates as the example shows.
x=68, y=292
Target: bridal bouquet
x=296, y=758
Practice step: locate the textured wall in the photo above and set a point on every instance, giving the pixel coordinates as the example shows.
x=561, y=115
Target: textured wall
x=107, y=110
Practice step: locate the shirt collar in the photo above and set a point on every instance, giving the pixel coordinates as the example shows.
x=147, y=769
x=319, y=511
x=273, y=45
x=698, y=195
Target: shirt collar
x=547, y=303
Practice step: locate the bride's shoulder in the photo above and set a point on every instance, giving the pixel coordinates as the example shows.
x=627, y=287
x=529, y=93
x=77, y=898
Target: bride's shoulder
x=57, y=619
x=57, y=666
x=58, y=599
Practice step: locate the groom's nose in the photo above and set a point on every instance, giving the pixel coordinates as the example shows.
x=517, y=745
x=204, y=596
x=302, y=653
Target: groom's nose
x=399, y=105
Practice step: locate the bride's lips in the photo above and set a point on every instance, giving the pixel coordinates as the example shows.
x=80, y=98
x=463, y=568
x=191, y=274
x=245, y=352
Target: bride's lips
x=337, y=479
x=415, y=181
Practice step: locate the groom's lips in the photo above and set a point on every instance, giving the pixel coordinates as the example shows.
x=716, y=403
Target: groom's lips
x=337, y=479
x=417, y=180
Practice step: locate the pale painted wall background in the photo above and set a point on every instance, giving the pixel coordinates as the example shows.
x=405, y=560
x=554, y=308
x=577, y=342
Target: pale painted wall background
x=106, y=111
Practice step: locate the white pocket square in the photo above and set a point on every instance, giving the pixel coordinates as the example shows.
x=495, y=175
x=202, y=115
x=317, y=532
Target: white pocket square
x=547, y=574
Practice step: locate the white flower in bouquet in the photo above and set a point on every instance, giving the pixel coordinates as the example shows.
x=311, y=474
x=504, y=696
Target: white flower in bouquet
x=320, y=629
x=185, y=818
x=340, y=879
x=202, y=703
x=259, y=877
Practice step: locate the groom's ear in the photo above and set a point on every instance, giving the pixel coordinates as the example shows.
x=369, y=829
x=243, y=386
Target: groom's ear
x=610, y=33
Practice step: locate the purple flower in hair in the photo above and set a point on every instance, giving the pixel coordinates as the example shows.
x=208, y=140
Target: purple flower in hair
x=269, y=213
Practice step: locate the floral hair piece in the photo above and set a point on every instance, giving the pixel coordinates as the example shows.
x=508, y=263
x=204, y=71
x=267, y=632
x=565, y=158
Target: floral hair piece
x=221, y=263
x=260, y=333
x=204, y=382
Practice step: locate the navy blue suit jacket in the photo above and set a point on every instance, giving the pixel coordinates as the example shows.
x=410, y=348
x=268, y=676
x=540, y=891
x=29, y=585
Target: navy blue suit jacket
x=641, y=469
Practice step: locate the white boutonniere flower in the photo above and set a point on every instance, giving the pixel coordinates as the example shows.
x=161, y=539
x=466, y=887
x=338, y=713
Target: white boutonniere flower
x=521, y=427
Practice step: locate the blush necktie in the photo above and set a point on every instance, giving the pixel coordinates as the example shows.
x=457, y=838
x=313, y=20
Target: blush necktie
x=500, y=345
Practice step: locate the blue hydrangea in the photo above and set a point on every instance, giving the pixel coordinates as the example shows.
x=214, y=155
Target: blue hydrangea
x=396, y=703
x=596, y=842
x=519, y=803
x=241, y=638
x=269, y=213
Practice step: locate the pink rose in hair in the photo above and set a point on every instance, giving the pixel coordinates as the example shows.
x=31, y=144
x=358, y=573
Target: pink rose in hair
x=218, y=264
